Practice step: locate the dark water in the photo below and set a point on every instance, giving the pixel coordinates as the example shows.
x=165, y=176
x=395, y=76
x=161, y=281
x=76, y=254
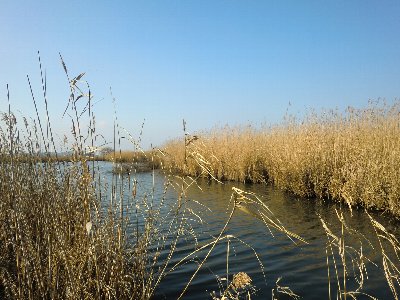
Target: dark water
x=303, y=267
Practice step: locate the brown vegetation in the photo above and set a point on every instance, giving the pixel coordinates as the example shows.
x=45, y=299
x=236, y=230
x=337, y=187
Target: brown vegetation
x=352, y=156
x=66, y=232
x=65, y=235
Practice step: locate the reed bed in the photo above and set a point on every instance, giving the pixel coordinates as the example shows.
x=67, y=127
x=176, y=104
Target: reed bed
x=126, y=156
x=130, y=162
x=54, y=241
x=352, y=156
x=63, y=235
x=68, y=233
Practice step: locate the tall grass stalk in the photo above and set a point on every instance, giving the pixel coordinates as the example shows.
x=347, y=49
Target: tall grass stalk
x=57, y=239
x=67, y=233
x=352, y=156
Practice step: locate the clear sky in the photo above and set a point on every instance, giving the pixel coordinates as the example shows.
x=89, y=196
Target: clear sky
x=210, y=62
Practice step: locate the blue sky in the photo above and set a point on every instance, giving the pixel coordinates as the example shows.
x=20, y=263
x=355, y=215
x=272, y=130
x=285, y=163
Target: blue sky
x=210, y=62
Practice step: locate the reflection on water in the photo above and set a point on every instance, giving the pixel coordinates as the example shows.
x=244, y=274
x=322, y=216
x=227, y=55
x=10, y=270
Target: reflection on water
x=301, y=266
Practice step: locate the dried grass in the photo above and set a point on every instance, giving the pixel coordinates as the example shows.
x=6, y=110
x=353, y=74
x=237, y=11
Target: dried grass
x=65, y=233
x=57, y=239
x=352, y=156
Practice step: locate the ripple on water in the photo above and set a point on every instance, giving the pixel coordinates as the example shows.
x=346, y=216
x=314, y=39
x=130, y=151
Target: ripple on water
x=301, y=266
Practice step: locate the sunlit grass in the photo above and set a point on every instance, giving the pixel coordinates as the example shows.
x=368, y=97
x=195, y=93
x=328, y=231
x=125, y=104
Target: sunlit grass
x=68, y=233
x=352, y=156
x=62, y=235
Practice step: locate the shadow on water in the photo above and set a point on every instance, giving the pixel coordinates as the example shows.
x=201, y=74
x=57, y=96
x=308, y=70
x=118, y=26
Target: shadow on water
x=302, y=266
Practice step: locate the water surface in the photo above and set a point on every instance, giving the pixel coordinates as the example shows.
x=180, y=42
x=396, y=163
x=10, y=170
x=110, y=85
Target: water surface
x=301, y=266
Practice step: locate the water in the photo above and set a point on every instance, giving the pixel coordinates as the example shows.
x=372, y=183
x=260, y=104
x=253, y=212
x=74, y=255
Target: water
x=301, y=267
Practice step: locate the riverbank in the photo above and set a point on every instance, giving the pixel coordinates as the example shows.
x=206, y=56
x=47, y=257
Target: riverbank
x=126, y=162
x=352, y=156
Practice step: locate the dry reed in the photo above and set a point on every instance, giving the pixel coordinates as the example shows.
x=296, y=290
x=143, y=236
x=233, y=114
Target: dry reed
x=347, y=265
x=352, y=156
x=57, y=239
x=65, y=233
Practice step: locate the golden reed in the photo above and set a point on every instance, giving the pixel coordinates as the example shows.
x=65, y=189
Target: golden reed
x=352, y=156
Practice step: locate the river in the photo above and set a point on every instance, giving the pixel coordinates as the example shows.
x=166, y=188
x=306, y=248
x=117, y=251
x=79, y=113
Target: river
x=264, y=253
